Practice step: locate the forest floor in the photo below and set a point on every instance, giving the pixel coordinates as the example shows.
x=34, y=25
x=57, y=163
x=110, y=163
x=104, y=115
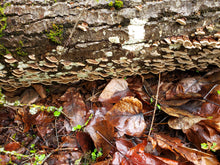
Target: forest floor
x=171, y=118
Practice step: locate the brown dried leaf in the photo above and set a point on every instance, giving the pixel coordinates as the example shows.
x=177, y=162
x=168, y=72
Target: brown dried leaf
x=114, y=91
x=192, y=155
x=135, y=84
x=184, y=122
x=186, y=88
x=202, y=133
x=4, y=159
x=74, y=107
x=29, y=96
x=12, y=146
x=123, y=145
x=104, y=162
x=188, y=109
x=69, y=142
x=43, y=120
x=101, y=132
x=137, y=156
x=85, y=141
x=127, y=116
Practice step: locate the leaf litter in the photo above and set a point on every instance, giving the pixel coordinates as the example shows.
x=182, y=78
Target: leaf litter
x=110, y=125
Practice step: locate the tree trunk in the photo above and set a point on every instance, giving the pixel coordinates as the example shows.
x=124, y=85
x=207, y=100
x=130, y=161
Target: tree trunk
x=141, y=37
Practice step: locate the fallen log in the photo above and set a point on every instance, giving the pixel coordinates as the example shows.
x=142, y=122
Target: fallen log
x=138, y=37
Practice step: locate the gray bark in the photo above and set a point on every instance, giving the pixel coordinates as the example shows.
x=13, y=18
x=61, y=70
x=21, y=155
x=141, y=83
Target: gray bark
x=141, y=37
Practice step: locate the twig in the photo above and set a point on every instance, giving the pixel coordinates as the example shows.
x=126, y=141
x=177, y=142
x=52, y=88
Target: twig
x=56, y=132
x=74, y=28
x=155, y=106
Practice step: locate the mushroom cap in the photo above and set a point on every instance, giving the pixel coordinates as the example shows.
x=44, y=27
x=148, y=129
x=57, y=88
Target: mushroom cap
x=32, y=57
x=52, y=59
x=181, y=21
x=8, y=56
x=11, y=61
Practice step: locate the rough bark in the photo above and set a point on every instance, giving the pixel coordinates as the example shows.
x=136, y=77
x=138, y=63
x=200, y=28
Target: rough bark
x=141, y=37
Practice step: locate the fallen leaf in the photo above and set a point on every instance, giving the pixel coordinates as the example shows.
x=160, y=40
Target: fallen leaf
x=114, y=91
x=127, y=116
x=203, y=133
x=136, y=84
x=12, y=146
x=29, y=96
x=101, y=132
x=104, y=162
x=85, y=141
x=69, y=142
x=74, y=107
x=137, y=156
x=123, y=145
x=184, y=122
x=43, y=121
x=4, y=159
x=192, y=155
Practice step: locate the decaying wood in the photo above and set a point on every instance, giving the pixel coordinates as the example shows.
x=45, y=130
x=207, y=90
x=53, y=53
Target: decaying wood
x=141, y=37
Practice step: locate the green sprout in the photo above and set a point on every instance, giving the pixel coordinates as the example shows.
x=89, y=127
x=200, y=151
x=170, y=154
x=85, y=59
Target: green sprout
x=151, y=100
x=218, y=91
x=79, y=127
x=209, y=146
x=95, y=154
x=158, y=106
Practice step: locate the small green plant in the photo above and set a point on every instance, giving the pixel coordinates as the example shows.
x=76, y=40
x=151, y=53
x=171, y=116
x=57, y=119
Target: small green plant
x=56, y=34
x=151, y=100
x=79, y=127
x=158, y=106
x=95, y=154
x=209, y=146
x=33, y=108
x=218, y=92
x=47, y=90
x=33, y=150
x=34, y=158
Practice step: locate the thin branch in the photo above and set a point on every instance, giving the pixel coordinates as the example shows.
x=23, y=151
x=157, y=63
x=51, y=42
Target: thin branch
x=74, y=28
x=155, y=106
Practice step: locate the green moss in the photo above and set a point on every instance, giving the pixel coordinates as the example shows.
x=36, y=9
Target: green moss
x=19, y=50
x=3, y=18
x=110, y=4
x=56, y=34
x=118, y=4
x=4, y=50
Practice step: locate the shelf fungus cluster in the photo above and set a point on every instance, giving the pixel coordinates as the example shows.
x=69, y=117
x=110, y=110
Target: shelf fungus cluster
x=171, y=53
